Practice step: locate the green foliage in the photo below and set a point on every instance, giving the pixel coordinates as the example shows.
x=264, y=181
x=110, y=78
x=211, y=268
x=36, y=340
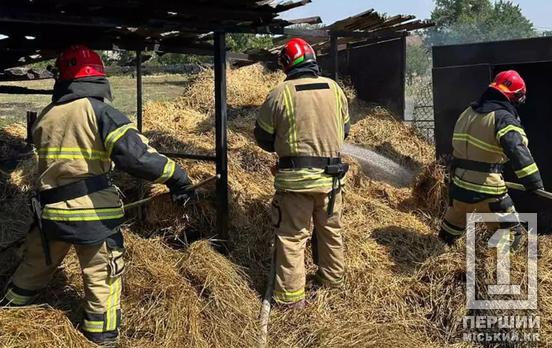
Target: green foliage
x=242, y=42
x=42, y=64
x=417, y=61
x=177, y=58
x=463, y=21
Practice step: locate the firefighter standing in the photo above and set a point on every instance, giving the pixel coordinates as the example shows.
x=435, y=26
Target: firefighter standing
x=487, y=135
x=77, y=138
x=305, y=121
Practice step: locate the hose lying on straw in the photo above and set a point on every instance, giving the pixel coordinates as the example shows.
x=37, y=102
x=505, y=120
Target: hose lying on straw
x=264, y=317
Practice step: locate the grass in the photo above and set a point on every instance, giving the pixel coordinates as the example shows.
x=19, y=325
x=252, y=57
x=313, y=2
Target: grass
x=13, y=107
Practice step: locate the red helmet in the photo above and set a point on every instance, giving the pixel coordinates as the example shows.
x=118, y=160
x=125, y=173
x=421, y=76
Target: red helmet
x=511, y=85
x=79, y=61
x=296, y=52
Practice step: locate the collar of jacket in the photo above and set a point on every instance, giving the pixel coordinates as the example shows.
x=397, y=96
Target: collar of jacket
x=492, y=100
x=308, y=69
x=86, y=87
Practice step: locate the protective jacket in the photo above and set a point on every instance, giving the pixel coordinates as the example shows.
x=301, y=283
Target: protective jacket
x=486, y=136
x=305, y=116
x=78, y=136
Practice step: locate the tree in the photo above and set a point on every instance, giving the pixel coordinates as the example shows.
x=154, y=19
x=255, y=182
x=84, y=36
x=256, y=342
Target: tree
x=238, y=42
x=463, y=21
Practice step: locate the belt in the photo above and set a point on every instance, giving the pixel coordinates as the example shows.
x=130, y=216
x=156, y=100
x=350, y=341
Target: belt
x=74, y=190
x=478, y=166
x=300, y=162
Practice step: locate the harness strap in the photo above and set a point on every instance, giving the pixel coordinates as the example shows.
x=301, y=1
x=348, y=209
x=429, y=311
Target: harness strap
x=302, y=162
x=478, y=166
x=74, y=190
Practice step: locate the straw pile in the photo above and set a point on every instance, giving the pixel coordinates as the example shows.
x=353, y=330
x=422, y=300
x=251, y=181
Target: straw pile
x=403, y=287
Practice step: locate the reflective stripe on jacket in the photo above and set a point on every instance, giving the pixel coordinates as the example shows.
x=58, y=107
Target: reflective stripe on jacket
x=490, y=132
x=306, y=116
x=79, y=136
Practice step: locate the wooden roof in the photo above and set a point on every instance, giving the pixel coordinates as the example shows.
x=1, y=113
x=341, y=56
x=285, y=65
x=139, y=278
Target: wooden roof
x=36, y=29
x=364, y=28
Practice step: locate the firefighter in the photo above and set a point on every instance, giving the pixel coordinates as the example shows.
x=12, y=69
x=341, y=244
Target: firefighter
x=78, y=137
x=305, y=121
x=486, y=136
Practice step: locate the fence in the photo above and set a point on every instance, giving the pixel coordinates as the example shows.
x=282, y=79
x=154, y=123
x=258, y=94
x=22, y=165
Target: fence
x=419, y=92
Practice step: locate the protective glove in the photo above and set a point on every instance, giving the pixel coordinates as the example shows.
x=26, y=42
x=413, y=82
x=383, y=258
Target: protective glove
x=183, y=194
x=181, y=187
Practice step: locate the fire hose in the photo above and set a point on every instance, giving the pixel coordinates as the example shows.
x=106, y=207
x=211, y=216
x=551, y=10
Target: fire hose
x=126, y=207
x=519, y=187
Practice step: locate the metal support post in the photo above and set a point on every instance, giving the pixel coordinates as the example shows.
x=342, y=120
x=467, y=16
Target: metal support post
x=221, y=115
x=139, y=90
x=334, y=53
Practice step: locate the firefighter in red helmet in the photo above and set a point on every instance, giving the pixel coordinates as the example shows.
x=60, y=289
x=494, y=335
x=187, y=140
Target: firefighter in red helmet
x=78, y=138
x=486, y=136
x=305, y=121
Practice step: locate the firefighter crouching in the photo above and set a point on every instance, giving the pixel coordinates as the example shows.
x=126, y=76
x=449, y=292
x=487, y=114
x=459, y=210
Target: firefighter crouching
x=305, y=121
x=486, y=136
x=78, y=137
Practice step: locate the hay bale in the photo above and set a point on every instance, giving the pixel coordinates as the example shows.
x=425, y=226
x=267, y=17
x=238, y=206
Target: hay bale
x=38, y=327
x=247, y=87
x=430, y=190
x=15, y=193
x=12, y=139
x=376, y=129
x=229, y=305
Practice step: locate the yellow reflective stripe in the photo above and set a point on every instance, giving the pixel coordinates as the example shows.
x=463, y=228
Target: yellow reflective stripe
x=451, y=230
x=98, y=214
x=302, y=179
x=510, y=128
x=491, y=190
x=93, y=326
x=477, y=143
x=71, y=149
x=71, y=153
x=89, y=218
x=168, y=171
x=292, y=139
x=115, y=135
x=338, y=124
x=289, y=296
x=16, y=299
x=529, y=170
x=265, y=126
x=112, y=304
x=82, y=211
x=73, y=157
x=302, y=185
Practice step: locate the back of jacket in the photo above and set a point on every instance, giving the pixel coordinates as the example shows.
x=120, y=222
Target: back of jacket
x=79, y=136
x=490, y=133
x=307, y=117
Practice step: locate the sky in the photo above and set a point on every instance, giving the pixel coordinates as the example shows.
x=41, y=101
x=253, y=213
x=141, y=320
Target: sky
x=538, y=11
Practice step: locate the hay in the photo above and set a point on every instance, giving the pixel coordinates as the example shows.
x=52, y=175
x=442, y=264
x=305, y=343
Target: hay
x=430, y=190
x=377, y=129
x=247, y=87
x=38, y=327
x=12, y=139
x=403, y=287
